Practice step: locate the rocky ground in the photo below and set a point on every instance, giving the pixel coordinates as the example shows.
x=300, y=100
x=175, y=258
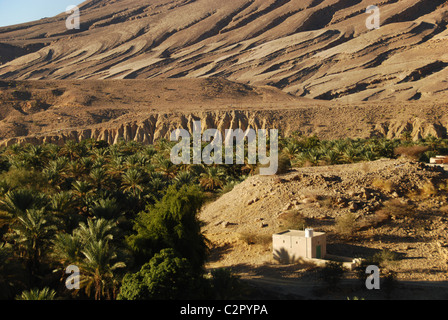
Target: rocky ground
x=394, y=202
x=147, y=110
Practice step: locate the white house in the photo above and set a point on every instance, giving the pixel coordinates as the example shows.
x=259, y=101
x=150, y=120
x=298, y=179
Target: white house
x=291, y=245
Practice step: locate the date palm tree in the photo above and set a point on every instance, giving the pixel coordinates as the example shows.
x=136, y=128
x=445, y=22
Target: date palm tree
x=291, y=149
x=136, y=160
x=53, y=150
x=14, y=149
x=99, y=161
x=314, y=156
x=105, y=208
x=156, y=185
x=164, y=146
x=432, y=142
x=166, y=167
x=33, y=230
x=116, y=167
x=100, y=153
x=67, y=248
x=4, y=187
x=89, y=248
x=350, y=154
x=37, y=294
x=95, y=230
x=98, y=269
x=213, y=178
x=99, y=258
x=35, y=156
x=61, y=202
x=132, y=181
x=82, y=189
x=71, y=149
x=75, y=169
x=99, y=177
x=149, y=152
x=132, y=147
x=56, y=170
x=63, y=206
x=339, y=146
x=184, y=178
x=17, y=201
x=386, y=148
x=332, y=157
x=369, y=155
x=86, y=164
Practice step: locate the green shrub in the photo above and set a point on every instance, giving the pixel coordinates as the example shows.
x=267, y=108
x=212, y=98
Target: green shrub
x=347, y=224
x=396, y=208
x=385, y=258
x=24, y=178
x=167, y=276
x=292, y=220
x=172, y=223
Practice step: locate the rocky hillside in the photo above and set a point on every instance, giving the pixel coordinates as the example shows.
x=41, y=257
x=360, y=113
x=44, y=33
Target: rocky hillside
x=390, y=202
x=147, y=110
x=312, y=48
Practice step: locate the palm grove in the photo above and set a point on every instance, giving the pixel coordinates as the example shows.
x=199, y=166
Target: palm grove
x=128, y=218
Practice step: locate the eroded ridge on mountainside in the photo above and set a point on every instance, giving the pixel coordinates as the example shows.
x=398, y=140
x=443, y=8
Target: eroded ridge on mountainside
x=317, y=49
x=147, y=110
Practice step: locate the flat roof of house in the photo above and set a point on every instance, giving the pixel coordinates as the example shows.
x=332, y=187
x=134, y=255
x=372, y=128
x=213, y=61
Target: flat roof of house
x=298, y=233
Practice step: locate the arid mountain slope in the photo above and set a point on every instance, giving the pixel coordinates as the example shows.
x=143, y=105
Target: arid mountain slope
x=312, y=48
x=147, y=110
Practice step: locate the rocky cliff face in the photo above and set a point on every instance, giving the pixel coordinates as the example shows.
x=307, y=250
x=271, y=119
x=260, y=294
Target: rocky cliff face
x=325, y=122
x=148, y=110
